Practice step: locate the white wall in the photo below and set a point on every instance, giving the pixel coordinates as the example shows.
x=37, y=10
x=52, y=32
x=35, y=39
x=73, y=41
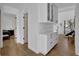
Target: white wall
x=1, y=43
x=42, y=8
x=1, y=39
x=65, y=15
x=10, y=10
x=36, y=13
x=20, y=30
x=77, y=30
x=33, y=33
x=8, y=22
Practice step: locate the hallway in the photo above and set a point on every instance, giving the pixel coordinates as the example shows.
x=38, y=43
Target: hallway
x=65, y=47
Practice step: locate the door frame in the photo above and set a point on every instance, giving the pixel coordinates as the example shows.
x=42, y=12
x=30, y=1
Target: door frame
x=25, y=28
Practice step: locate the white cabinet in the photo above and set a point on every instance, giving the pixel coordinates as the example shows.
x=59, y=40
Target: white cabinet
x=48, y=12
x=52, y=12
x=55, y=13
x=47, y=43
x=48, y=37
x=48, y=17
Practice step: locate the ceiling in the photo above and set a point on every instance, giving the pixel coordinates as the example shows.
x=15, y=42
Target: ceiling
x=63, y=5
x=23, y=5
x=15, y=5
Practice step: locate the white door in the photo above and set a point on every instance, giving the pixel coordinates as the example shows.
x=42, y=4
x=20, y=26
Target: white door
x=26, y=28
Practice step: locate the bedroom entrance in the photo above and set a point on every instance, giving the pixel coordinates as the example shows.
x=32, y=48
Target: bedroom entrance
x=8, y=26
x=8, y=33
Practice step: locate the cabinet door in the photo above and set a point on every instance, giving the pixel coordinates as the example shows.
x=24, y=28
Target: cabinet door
x=52, y=12
x=55, y=13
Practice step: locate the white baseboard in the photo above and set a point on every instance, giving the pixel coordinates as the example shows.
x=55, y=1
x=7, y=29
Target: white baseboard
x=1, y=44
x=33, y=50
x=77, y=53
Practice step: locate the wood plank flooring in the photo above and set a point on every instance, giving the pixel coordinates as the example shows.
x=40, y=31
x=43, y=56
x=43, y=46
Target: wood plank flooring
x=13, y=49
x=65, y=47
x=0, y=52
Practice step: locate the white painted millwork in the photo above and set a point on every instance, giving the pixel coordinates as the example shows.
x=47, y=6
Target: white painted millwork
x=77, y=29
x=48, y=37
x=47, y=30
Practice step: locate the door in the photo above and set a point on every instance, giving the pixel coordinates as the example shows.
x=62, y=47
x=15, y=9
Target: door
x=26, y=28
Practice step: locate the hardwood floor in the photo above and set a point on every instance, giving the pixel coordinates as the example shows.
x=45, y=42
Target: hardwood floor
x=0, y=52
x=13, y=49
x=65, y=47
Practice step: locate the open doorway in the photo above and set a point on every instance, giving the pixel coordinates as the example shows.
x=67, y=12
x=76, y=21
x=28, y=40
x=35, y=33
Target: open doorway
x=69, y=28
x=8, y=26
x=8, y=32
